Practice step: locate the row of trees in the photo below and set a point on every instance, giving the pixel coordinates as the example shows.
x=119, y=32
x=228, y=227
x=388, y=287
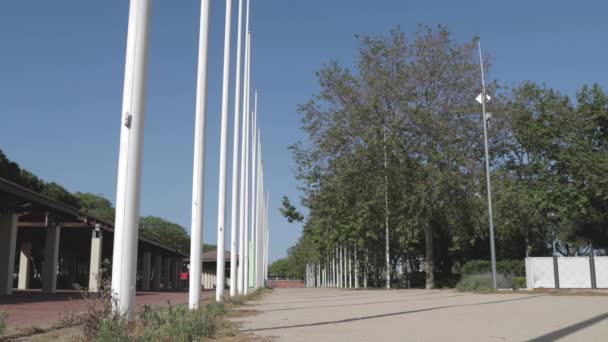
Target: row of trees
x=151, y=227
x=393, y=162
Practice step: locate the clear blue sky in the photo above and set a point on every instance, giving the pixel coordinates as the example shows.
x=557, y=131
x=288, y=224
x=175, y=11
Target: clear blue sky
x=62, y=65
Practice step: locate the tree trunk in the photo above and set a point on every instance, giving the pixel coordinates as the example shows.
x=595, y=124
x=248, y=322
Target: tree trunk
x=429, y=264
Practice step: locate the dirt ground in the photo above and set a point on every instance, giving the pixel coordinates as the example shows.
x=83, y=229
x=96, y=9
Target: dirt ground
x=423, y=315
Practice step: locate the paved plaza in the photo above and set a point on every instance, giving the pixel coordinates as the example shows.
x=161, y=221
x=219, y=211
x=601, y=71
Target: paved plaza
x=423, y=315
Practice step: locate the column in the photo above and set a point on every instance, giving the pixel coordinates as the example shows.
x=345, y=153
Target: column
x=145, y=282
x=177, y=270
x=157, y=272
x=167, y=273
x=8, y=242
x=95, y=260
x=24, y=265
x=51, y=258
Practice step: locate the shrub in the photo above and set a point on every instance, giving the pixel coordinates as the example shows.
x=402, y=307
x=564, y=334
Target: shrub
x=482, y=282
x=2, y=322
x=515, y=268
x=519, y=283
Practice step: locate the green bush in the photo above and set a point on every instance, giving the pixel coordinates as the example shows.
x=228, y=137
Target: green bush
x=519, y=283
x=2, y=322
x=482, y=282
x=514, y=268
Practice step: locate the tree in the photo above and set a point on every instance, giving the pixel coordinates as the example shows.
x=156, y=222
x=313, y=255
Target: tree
x=168, y=233
x=97, y=206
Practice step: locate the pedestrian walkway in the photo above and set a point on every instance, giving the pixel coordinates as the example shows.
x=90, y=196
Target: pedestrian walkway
x=424, y=315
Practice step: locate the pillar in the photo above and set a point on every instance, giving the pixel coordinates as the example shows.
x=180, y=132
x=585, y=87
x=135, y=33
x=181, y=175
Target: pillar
x=24, y=265
x=8, y=241
x=157, y=272
x=167, y=273
x=51, y=258
x=95, y=260
x=177, y=270
x=145, y=282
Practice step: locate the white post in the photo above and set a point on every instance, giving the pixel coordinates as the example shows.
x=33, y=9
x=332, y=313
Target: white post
x=365, y=270
x=254, y=165
x=235, y=158
x=356, y=268
x=126, y=226
x=248, y=163
x=221, y=203
x=198, y=169
x=24, y=266
x=95, y=259
x=244, y=166
x=350, y=270
x=333, y=270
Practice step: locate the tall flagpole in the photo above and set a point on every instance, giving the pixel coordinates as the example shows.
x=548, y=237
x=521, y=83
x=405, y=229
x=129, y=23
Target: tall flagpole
x=254, y=166
x=235, y=158
x=247, y=168
x=198, y=172
x=483, y=98
x=128, y=188
x=221, y=204
x=244, y=167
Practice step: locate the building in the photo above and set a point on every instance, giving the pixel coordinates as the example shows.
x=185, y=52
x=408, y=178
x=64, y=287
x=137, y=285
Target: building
x=48, y=245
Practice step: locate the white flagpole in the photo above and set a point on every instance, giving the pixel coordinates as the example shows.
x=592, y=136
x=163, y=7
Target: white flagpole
x=259, y=203
x=128, y=188
x=198, y=169
x=221, y=206
x=244, y=167
x=254, y=188
x=248, y=164
x=235, y=158
x=266, y=238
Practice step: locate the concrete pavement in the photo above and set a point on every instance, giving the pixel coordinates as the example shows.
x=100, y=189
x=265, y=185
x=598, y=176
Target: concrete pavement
x=423, y=315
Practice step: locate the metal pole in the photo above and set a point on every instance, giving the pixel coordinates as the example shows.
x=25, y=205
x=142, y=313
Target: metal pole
x=555, y=264
x=246, y=214
x=254, y=166
x=235, y=158
x=221, y=203
x=489, y=185
x=128, y=187
x=244, y=166
x=592, y=269
x=198, y=169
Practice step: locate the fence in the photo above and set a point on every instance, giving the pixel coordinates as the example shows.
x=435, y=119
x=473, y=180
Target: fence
x=570, y=273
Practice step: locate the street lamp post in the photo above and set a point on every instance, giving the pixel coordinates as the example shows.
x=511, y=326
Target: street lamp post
x=553, y=217
x=482, y=98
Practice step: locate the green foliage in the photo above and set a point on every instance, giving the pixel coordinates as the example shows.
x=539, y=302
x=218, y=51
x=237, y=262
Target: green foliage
x=97, y=206
x=113, y=329
x=482, y=282
x=168, y=233
x=519, y=283
x=173, y=323
x=506, y=267
x=290, y=212
x=2, y=322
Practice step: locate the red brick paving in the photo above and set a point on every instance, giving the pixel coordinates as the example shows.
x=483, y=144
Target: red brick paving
x=34, y=308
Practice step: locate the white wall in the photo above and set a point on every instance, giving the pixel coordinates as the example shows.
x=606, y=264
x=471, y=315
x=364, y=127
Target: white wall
x=574, y=272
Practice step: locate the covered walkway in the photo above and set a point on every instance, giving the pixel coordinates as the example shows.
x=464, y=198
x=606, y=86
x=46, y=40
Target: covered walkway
x=47, y=245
